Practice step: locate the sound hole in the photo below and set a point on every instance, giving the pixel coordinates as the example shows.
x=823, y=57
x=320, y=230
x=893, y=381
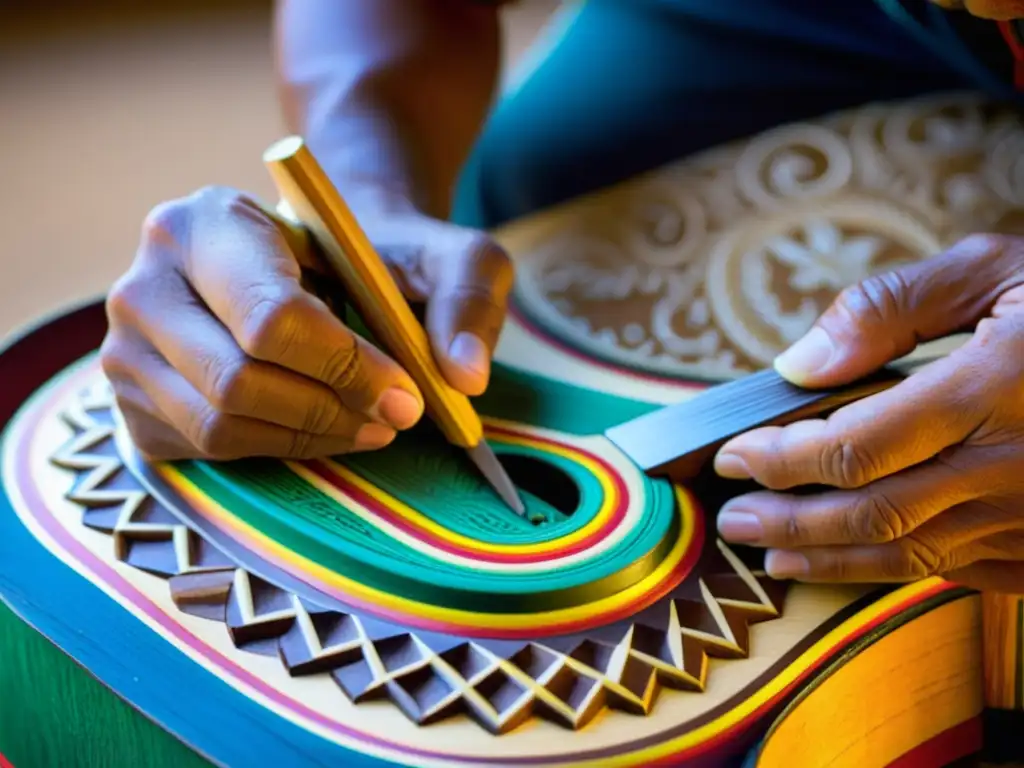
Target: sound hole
x=545, y=481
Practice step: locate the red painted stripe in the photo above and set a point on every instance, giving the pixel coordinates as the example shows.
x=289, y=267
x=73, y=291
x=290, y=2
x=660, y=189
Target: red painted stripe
x=325, y=473
x=735, y=731
x=1017, y=49
x=5, y=763
x=958, y=742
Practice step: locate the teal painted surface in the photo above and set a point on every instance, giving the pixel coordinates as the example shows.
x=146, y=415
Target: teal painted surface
x=426, y=473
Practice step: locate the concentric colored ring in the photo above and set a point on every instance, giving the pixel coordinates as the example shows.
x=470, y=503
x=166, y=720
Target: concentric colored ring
x=363, y=532
x=673, y=568
x=337, y=481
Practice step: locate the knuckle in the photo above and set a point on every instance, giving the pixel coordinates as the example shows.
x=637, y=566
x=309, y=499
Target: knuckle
x=487, y=255
x=211, y=433
x=874, y=519
x=775, y=473
x=996, y=332
x=166, y=222
x=230, y=385
x=126, y=298
x=984, y=384
x=220, y=196
x=915, y=560
x=844, y=464
x=795, y=528
x=228, y=203
x=321, y=413
x=344, y=364
x=841, y=570
x=490, y=265
x=115, y=358
x=300, y=445
x=270, y=325
x=876, y=299
x=480, y=294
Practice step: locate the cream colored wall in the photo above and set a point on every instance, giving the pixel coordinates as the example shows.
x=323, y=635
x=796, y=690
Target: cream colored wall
x=100, y=122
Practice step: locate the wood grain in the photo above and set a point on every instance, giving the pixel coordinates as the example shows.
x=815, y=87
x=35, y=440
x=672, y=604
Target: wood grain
x=1004, y=651
x=875, y=730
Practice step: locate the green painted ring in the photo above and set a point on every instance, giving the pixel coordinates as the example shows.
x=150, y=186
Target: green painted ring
x=520, y=530
x=392, y=567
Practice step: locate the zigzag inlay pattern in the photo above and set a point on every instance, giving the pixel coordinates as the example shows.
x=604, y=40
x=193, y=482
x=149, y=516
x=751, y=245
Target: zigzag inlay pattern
x=500, y=684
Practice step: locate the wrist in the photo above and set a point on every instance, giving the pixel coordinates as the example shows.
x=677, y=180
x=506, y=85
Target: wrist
x=374, y=196
x=367, y=161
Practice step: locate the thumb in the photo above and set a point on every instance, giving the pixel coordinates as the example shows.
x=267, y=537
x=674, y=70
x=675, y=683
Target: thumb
x=471, y=277
x=887, y=315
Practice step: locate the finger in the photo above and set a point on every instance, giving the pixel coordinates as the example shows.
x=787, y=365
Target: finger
x=300, y=243
x=406, y=264
x=1000, y=10
x=949, y=541
x=889, y=314
x=471, y=279
x=152, y=435
x=220, y=436
x=882, y=511
x=202, y=351
x=1001, y=576
x=238, y=263
x=880, y=435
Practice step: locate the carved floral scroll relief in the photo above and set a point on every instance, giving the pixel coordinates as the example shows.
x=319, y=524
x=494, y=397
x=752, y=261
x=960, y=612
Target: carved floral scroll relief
x=713, y=265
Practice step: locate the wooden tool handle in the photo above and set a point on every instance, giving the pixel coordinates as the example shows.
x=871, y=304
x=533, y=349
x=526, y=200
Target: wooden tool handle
x=307, y=190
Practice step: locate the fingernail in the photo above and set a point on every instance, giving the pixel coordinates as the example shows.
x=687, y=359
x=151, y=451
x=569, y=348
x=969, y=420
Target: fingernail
x=732, y=467
x=469, y=351
x=372, y=436
x=806, y=357
x=740, y=527
x=399, y=408
x=781, y=564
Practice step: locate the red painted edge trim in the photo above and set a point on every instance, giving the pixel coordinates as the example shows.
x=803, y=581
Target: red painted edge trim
x=4, y=763
x=1017, y=49
x=958, y=742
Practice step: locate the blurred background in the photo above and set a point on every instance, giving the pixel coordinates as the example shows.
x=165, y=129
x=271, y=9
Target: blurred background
x=108, y=107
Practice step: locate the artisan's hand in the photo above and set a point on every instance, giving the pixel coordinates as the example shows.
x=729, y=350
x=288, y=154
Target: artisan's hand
x=928, y=476
x=217, y=350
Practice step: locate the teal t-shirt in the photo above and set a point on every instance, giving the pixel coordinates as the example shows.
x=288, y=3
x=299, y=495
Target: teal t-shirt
x=615, y=88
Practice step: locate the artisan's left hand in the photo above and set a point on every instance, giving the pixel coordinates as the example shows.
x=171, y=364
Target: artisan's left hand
x=926, y=478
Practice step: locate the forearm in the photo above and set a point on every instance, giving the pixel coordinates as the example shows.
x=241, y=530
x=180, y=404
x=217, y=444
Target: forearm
x=390, y=94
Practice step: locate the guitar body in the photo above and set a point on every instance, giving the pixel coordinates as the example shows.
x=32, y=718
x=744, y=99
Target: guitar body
x=387, y=610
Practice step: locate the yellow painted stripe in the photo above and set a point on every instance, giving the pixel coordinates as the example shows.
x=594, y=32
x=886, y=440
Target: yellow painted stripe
x=610, y=500
x=769, y=691
x=261, y=543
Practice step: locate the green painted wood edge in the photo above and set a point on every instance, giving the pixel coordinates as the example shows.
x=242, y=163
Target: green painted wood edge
x=54, y=713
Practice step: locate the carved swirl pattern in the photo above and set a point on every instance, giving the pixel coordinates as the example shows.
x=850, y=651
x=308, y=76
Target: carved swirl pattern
x=713, y=265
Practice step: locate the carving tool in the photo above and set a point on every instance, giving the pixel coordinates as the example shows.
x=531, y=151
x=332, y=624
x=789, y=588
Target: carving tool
x=319, y=207
x=677, y=441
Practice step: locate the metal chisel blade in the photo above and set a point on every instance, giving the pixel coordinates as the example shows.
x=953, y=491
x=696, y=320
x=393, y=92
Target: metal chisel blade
x=495, y=473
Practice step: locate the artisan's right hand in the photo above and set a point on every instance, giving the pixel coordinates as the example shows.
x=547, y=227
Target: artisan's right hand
x=216, y=350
